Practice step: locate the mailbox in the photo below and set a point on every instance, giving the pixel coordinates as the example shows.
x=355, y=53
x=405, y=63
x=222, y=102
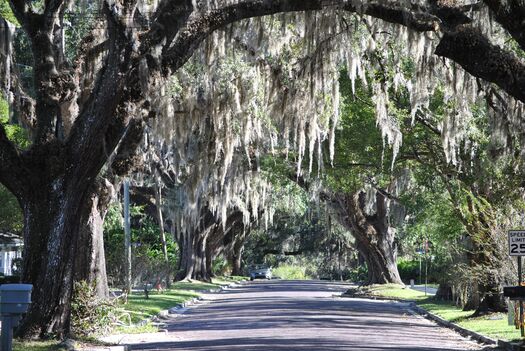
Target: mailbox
x=14, y=301
x=15, y=298
x=514, y=292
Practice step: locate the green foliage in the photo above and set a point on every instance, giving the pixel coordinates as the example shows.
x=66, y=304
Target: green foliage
x=6, y=12
x=90, y=315
x=408, y=269
x=11, y=218
x=14, y=132
x=148, y=263
x=359, y=149
x=358, y=274
x=220, y=266
x=291, y=272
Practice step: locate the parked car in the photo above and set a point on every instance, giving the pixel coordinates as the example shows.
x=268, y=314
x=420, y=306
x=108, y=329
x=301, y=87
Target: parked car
x=260, y=271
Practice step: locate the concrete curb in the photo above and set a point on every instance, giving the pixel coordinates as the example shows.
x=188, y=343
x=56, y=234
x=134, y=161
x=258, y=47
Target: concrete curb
x=182, y=306
x=374, y=297
x=192, y=302
x=509, y=346
x=505, y=345
x=108, y=348
x=462, y=331
x=158, y=319
x=465, y=332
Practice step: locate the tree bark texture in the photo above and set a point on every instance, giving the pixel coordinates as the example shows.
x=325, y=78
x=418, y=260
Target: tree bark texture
x=52, y=221
x=193, y=260
x=373, y=235
x=236, y=254
x=90, y=264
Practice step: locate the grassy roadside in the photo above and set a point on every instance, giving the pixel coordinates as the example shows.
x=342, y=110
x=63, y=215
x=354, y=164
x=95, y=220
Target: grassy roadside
x=139, y=308
x=37, y=346
x=493, y=325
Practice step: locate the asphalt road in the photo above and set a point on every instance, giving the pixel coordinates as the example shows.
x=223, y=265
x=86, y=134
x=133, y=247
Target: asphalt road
x=300, y=315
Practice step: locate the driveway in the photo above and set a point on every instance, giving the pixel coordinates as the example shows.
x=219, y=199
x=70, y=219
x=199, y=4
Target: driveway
x=299, y=315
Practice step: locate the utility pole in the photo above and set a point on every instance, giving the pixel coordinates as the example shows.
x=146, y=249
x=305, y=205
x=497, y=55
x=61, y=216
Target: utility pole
x=160, y=219
x=127, y=240
x=426, y=265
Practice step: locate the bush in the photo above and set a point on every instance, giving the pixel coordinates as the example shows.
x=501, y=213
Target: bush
x=358, y=274
x=288, y=271
x=220, y=266
x=90, y=315
x=149, y=265
x=408, y=269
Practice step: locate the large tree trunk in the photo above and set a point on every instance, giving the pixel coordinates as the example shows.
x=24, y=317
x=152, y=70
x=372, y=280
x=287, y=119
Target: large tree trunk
x=485, y=257
x=236, y=254
x=193, y=260
x=202, y=245
x=90, y=264
x=373, y=234
x=52, y=217
x=222, y=237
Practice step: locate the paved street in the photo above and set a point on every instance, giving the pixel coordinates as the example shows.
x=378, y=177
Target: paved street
x=299, y=315
x=429, y=290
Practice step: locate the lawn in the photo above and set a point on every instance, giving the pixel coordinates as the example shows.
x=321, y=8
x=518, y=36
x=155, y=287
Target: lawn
x=140, y=308
x=37, y=346
x=494, y=325
x=393, y=291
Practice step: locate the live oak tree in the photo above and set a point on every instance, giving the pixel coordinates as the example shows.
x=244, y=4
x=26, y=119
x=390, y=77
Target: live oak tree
x=79, y=125
x=481, y=195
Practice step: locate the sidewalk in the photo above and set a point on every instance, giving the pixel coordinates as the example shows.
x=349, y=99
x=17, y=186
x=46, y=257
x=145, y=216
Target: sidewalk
x=430, y=291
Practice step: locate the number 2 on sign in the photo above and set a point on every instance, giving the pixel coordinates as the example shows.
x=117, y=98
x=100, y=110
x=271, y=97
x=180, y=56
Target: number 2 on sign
x=514, y=248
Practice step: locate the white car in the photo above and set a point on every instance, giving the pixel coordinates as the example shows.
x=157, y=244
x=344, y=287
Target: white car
x=260, y=271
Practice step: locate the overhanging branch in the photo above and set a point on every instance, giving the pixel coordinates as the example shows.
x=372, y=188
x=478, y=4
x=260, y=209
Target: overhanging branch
x=510, y=14
x=200, y=26
x=478, y=56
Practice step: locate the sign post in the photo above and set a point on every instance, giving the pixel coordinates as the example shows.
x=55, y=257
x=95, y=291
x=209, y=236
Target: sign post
x=517, y=248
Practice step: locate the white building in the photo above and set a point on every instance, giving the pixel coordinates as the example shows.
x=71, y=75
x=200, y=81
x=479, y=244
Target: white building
x=10, y=249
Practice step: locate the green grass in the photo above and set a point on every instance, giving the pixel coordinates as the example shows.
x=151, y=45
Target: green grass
x=494, y=325
x=36, y=345
x=140, y=308
x=394, y=291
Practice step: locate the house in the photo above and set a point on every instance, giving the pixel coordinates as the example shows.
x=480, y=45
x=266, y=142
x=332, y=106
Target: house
x=10, y=249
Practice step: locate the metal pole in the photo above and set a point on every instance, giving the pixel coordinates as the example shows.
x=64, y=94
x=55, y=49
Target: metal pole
x=420, y=279
x=127, y=239
x=7, y=333
x=521, y=301
x=426, y=272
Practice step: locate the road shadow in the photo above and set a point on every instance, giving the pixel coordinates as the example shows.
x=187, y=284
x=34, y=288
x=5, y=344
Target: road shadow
x=288, y=315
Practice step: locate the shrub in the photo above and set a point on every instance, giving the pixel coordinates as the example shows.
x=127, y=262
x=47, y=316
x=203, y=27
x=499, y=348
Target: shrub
x=90, y=315
x=358, y=274
x=220, y=266
x=288, y=271
x=408, y=269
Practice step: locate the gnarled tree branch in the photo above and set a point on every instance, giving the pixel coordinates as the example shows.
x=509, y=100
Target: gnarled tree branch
x=200, y=26
x=474, y=52
x=511, y=15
